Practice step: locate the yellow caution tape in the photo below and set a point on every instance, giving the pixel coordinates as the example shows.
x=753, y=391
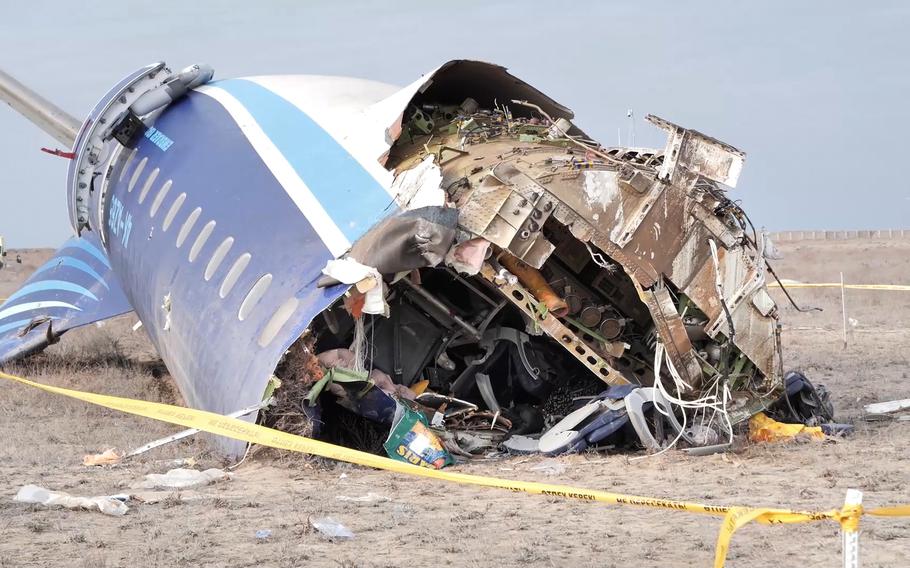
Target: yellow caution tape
x=734, y=517
x=789, y=285
x=896, y=511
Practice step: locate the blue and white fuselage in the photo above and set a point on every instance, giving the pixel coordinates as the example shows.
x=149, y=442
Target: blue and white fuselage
x=216, y=226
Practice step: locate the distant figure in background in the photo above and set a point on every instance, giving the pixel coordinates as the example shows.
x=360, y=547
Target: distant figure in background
x=3, y=255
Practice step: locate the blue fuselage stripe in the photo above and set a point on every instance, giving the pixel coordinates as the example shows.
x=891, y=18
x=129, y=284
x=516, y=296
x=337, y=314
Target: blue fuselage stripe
x=53, y=285
x=73, y=263
x=350, y=195
x=89, y=248
x=30, y=306
x=14, y=325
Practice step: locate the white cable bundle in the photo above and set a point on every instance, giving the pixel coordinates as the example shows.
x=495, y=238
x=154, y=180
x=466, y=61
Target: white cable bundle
x=359, y=346
x=708, y=402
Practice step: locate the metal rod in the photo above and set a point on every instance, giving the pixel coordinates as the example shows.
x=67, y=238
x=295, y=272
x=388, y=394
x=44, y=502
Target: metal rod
x=843, y=306
x=472, y=287
x=472, y=331
x=191, y=431
x=50, y=118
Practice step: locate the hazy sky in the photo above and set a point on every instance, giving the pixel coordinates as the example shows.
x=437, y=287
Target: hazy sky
x=816, y=93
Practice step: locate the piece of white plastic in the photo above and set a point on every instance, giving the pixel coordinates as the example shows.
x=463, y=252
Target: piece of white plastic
x=368, y=498
x=109, y=505
x=550, y=466
x=332, y=529
x=181, y=478
x=887, y=407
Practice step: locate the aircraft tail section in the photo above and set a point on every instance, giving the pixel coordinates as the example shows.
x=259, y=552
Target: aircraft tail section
x=75, y=287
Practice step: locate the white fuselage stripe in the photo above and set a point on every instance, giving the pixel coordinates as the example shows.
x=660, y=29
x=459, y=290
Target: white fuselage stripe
x=284, y=172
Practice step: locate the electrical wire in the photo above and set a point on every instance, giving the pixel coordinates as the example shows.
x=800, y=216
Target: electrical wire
x=599, y=259
x=787, y=293
x=709, y=402
x=793, y=303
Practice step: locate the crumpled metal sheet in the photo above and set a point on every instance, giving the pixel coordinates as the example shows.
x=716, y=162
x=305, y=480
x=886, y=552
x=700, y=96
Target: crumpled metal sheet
x=412, y=239
x=652, y=212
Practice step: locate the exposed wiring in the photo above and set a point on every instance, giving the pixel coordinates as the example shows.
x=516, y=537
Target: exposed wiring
x=787, y=293
x=599, y=259
x=704, y=404
x=767, y=264
x=579, y=143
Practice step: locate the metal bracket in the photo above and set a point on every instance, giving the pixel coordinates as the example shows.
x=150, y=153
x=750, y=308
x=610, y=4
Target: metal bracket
x=525, y=301
x=690, y=154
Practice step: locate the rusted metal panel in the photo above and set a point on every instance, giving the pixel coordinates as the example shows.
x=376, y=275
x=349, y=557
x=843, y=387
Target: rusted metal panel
x=673, y=333
x=693, y=153
x=653, y=213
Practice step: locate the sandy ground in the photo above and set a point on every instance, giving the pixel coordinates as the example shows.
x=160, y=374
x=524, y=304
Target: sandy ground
x=430, y=523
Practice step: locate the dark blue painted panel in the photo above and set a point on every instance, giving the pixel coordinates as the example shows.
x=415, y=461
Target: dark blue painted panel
x=214, y=356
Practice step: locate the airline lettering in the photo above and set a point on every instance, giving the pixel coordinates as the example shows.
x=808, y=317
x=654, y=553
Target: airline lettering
x=158, y=138
x=120, y=221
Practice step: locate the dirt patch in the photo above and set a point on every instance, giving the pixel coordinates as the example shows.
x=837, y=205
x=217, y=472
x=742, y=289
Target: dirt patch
x=431, y=523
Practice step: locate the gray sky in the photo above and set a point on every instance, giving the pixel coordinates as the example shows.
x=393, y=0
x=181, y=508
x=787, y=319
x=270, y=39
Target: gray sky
x=816, y=93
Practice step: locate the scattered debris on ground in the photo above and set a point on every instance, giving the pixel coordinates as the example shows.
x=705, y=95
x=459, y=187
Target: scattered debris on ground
x=107, y=457
x=368, y=498
x=331, y=529
x=109, y=505
x=181, y=478
x=888, y=410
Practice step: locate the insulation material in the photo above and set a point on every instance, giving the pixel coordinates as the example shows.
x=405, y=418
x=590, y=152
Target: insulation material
x=467, y=257
x=420, y=186
x=765, y=429
x=368, y=280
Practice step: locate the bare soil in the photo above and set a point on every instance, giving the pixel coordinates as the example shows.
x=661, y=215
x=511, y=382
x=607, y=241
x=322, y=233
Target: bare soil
x=430, y=523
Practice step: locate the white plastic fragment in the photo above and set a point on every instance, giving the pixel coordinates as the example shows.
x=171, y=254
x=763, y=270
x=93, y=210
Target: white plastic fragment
x=181, y=478
x=332, y=529
x=550, y=466
x=109, y=505
x=887, y=407
x=368, y=498
x=519, y=444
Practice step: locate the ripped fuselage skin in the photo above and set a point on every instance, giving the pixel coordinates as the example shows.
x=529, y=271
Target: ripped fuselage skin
x=610, y=253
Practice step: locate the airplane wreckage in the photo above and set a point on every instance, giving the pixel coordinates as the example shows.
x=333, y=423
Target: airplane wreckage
x=455, y=261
